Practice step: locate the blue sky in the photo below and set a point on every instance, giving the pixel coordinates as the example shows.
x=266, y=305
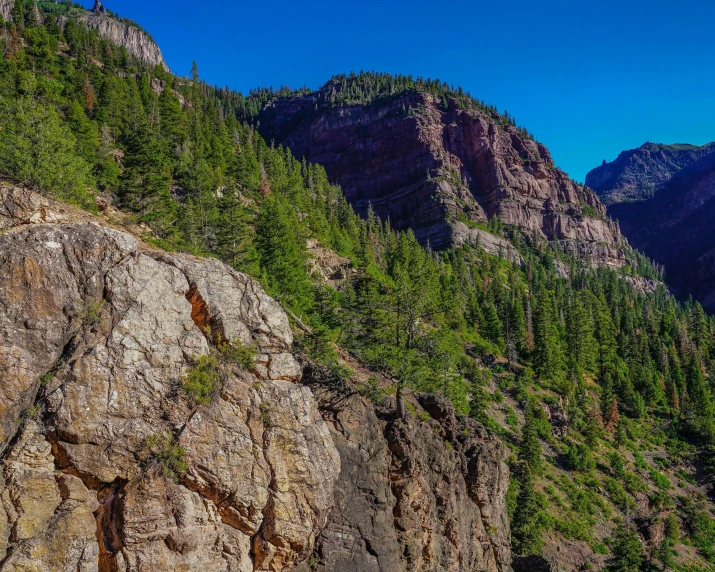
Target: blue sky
x=588, y=78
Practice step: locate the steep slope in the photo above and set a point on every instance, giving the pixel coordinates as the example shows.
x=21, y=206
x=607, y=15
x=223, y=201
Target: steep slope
x=638, y=174
x=440, y=165
x=108, y=464
x=663, y=198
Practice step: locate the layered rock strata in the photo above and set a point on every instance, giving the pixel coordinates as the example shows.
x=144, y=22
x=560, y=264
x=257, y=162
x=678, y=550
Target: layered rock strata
x=438, y=171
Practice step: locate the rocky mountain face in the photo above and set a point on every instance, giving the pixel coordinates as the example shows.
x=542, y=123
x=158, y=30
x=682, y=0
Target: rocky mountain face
x=675, y=225
x=404, y=500
x=639, y=174
x=137, y=42
x=97, y=332
x=442, y=171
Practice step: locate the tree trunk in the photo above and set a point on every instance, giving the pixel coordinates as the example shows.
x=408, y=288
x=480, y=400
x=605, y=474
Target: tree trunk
x=401, y=408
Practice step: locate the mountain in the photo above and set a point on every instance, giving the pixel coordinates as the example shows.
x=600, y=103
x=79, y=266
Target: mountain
x=210, y=360
x=662, y=196
x=639, y=174
x=439, y=162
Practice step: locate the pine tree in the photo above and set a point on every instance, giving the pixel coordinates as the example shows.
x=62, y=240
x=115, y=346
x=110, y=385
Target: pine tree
x=700, y=412
x=626, y=551
x=698, y=328
x=530, y=446
x=282, y=254
x=525, y=525
x=548, y=357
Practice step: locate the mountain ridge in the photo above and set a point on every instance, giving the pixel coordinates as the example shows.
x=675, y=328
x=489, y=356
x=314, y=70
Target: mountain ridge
x=438, y=161
x=663, y=197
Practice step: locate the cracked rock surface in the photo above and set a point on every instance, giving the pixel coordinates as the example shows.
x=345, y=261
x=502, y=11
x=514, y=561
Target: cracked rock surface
x=96, y=334
x=422, y=494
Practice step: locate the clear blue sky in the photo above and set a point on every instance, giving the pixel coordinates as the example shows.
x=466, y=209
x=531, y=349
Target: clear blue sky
x=588, y=77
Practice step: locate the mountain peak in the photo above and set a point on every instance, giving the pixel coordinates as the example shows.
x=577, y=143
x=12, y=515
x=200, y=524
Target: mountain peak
x=98, y=7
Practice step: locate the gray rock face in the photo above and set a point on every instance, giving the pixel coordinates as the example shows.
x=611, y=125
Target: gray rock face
x=405, y=500
x=5, y=8
x=489, y=242
x=96, y=334
x=136, y=41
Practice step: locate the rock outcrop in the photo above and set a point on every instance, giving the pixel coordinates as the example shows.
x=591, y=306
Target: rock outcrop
x=427, y=168
x=96, y=334
x=6, y=8
x=121, y=33
x=668, y=209
x=421, y=494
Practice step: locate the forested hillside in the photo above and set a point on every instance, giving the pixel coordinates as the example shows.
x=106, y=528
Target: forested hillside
x=597, y=379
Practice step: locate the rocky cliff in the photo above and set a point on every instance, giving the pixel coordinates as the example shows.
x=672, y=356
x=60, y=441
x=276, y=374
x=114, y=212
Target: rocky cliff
x=136, y=41
x=441, y=168
x=108, y=464
x=424, y=493
x=638, y=174
x=96, y=334
x=668, y=209
x=5, y=8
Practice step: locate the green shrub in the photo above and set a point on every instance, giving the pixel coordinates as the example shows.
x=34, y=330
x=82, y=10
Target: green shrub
x=672, y=529
x=373, y=390
x=618, y=494
x=660, y=480
x=634, y=483
x=579, y=458
x=92, y=313
x=169, y=455
x=202, y=379
x=238, y=353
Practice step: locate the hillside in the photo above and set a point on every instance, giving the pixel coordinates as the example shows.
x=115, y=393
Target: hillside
x=210, y=360
x=119, y=31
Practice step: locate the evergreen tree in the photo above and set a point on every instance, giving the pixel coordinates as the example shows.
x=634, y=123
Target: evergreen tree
x=548, y=357
x=530, y=446
x=626, y=551
x=525, y=526
x=282, y=254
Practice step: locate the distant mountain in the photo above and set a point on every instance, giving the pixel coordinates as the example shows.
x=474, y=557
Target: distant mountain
x=638, y=174
x=438, y=161
x=664, y=199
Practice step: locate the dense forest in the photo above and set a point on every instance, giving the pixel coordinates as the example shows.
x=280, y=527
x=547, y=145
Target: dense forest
x=80, y=118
